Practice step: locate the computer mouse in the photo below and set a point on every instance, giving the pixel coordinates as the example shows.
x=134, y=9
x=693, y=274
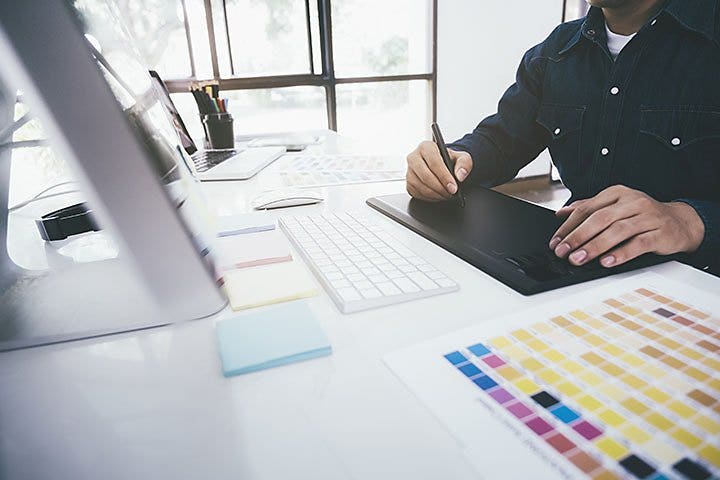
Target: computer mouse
x=286, y=198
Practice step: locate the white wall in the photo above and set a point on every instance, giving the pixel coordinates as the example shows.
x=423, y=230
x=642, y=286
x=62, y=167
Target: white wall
x=480, y=45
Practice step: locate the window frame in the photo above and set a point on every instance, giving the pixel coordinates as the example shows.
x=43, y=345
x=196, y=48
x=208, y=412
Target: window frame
x=326, y=79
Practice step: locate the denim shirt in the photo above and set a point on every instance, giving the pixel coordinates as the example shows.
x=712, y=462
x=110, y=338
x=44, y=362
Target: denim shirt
x=649, y=120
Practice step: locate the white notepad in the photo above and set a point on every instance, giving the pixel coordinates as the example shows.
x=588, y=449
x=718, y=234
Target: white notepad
x=264, y=285
x=252, y=249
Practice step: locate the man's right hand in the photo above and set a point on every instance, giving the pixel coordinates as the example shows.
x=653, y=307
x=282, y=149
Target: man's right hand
x=427, y=176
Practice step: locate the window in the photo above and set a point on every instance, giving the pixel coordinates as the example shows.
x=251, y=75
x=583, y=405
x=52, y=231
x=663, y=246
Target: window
x=365, y=68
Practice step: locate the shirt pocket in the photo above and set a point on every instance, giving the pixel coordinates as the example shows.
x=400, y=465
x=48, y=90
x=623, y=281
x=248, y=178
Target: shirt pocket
x=564, y=127
x=681, y=144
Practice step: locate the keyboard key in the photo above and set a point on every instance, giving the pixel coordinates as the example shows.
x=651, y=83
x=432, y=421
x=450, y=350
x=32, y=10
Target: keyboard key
x=445, y=282
x=388, y=288
x=406, y=285
x=422, y=280
x=371, y=293
x=348, y=294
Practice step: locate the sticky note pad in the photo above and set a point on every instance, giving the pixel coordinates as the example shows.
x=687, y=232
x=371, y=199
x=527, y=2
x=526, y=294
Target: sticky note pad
x=279, y=282
x=271, y=338
x=252, y=249
x=252, y=222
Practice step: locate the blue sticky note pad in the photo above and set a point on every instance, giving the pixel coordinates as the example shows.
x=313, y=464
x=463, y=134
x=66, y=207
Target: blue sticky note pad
x=270, y=338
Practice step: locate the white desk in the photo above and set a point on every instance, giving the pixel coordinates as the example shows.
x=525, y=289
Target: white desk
x=154, y=404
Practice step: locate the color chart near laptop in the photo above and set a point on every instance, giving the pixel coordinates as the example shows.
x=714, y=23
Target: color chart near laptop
x=622, y=381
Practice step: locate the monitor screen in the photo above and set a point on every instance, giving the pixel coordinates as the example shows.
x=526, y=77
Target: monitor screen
x=137, y=94
x=177, y=121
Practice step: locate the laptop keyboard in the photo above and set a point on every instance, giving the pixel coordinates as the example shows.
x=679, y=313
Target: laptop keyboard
x=206, y=159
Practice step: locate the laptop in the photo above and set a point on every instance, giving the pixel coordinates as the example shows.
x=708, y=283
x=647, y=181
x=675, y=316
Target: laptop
x=505, y=237
x=230, y=164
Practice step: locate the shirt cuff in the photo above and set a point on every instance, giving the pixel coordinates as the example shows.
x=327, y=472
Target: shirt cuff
x=709, y=251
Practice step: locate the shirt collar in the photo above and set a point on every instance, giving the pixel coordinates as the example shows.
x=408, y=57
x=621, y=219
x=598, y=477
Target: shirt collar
x=696, y=15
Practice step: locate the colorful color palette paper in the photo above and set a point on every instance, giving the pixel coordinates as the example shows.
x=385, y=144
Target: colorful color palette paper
x=619, y=382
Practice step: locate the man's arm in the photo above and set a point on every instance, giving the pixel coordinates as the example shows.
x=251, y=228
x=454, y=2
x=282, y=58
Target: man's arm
x=504, y=143
x=498, y=147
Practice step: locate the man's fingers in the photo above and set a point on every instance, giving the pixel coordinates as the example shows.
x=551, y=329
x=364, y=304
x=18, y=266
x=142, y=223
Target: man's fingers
x=463, y=164
x=419, y=190
x=426, y=177
x=578, y=216
x=638, y=245
x=436, y=165
x=614, y=235
x=596, y=223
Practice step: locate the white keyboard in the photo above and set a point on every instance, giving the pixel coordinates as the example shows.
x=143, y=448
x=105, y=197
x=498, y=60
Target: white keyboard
x=359, y=264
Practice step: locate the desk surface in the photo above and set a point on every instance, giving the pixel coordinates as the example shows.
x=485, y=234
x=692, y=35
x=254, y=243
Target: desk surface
x=154, y=404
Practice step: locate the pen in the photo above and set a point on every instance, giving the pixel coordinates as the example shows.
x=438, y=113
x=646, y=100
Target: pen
x=449, y=163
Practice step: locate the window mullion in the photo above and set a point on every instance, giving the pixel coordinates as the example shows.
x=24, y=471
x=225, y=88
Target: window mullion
x=328, y=64
x=186, y=23
x=211, y=39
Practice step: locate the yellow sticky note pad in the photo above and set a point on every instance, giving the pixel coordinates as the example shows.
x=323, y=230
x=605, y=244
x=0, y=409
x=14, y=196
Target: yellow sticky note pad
x=268, y=284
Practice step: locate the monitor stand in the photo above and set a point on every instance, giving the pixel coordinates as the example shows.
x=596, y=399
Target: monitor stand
x=70, y=302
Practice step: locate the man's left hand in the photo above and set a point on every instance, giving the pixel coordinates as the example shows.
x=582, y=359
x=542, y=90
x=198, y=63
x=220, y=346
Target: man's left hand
x=620, y=223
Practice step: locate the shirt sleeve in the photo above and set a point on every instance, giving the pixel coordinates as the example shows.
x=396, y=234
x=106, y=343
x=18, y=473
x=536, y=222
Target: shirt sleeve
x=709, y=252
x=505, y=142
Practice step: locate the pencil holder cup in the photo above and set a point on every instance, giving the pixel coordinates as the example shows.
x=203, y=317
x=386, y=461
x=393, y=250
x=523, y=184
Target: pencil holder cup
x=219, y=130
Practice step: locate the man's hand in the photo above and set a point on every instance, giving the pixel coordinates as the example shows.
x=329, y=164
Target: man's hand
x=620, y=223
x=427, y=176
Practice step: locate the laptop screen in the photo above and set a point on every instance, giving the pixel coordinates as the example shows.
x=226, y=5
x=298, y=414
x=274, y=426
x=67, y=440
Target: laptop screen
x=164, y=96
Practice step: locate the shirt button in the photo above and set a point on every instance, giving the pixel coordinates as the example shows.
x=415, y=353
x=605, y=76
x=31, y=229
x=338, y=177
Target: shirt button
x=557, y=131
x=604, y=151
x=614, y=90
x=591, y=32
x=675, y=141
x=653, y=22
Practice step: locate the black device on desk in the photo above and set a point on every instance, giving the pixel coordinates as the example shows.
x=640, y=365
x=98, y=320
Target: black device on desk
x=505, y=237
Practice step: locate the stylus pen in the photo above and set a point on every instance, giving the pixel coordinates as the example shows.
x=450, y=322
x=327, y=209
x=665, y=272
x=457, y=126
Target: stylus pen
x=448, y=162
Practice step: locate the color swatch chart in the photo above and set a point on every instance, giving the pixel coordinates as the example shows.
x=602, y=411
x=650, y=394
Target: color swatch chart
x=627, y=387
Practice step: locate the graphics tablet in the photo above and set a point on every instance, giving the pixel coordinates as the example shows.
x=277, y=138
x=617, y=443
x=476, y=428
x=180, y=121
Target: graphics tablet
x=504, y=237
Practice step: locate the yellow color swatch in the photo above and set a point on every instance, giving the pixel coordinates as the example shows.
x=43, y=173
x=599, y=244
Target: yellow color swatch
x=611, y=417
x=579, y=314
x=549, y=376
x=591, y=379
x=708, y=424
x=611, y=448
x=659, y=421
x=542, y=327
x=500, y=342
x=653, y=371
x=635, y=406
x=521, y=334
x=553, y=355
x=711, y=454
x=685, y=437
x=515, y=353
x=526, y=386
x=680, y=408
x=663, y=451
x=658, y=395
x=537, y=345
x=594, y=340
x=632, y=360
x=613, y=350
x=508, y=373
x=630, y=310
x=612, y=391
x=569, y=389
x=690, y=353
x=589, y=402
x=632, y=381
x=635, y=434
x=572, y=366
x=532, y=364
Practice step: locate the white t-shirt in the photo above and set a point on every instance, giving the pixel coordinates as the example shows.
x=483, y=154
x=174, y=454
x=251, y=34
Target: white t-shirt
x=616, y=42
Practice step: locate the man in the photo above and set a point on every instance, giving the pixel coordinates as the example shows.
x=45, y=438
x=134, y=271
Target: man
x=628, y=102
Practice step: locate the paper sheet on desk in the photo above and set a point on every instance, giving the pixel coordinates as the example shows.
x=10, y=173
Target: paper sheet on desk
x=252, y=249
x=240, y=224
x=268, y=284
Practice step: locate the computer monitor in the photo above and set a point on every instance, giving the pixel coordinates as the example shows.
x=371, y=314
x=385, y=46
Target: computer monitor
x=177, y=121
x=82, y=77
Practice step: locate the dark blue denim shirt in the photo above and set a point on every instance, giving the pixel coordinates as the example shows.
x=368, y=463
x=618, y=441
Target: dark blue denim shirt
x=649, y=120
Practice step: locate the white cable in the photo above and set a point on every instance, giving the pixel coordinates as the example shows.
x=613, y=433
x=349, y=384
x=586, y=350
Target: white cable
x=40, y=196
